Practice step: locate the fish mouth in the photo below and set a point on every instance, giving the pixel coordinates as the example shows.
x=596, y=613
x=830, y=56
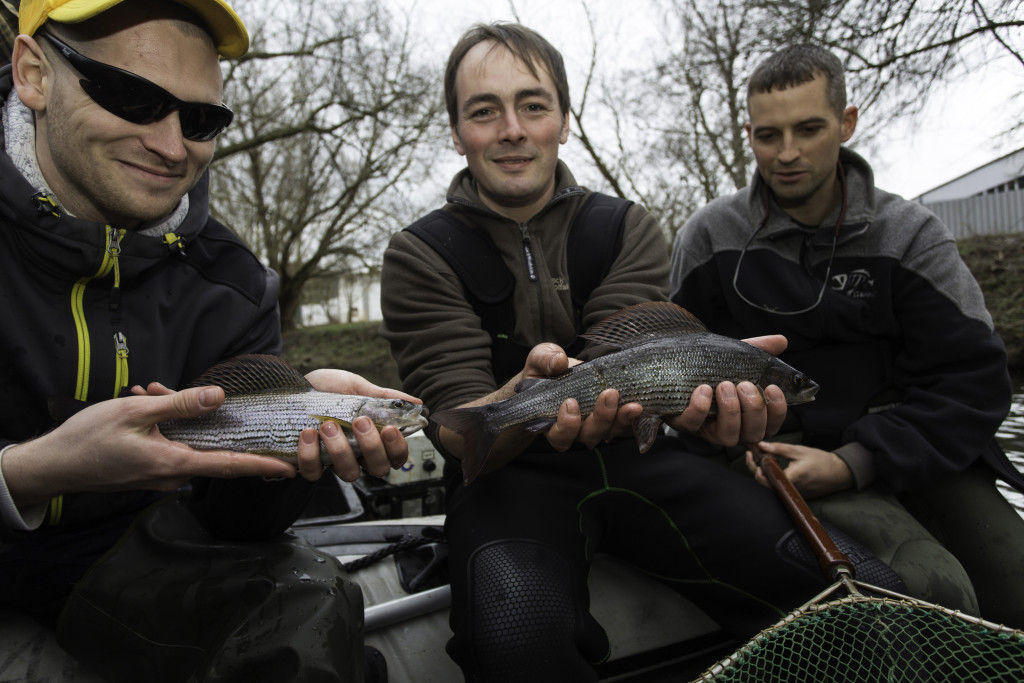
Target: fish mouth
x=805, y=395
x=416, y=423
x=413, y=428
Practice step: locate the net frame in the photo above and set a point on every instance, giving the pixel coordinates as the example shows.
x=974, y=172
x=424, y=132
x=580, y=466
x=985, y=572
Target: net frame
x=854, y=631
x=996, y=651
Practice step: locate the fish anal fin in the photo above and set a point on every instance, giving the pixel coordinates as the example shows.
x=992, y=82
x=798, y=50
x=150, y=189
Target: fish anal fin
x=646, y=429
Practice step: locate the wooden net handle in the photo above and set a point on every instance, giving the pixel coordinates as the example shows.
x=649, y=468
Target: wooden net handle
x=831, y=559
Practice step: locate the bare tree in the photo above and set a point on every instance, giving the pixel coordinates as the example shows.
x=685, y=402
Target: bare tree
x=687, y=129
x=332, y=121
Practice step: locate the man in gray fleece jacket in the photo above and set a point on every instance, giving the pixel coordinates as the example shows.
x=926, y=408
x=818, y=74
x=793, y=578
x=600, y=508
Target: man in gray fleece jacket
x=880, y=310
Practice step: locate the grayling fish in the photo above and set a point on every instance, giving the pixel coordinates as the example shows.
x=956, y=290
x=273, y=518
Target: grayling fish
x=666, y=353
x=267, y=403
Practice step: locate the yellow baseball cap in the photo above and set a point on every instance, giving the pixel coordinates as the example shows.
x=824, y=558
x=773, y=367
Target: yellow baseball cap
x=227, y=29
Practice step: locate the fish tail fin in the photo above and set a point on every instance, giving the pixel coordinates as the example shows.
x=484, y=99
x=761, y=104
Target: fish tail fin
x=477, y=438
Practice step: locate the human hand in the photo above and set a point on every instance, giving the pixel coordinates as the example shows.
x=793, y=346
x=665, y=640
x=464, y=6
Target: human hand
x=607, y=420
x=379, y=452
x=812, y=471
x=744, y=414
x=115, y=445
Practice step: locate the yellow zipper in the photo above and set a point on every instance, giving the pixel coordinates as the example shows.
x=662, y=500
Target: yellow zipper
x=108, y=264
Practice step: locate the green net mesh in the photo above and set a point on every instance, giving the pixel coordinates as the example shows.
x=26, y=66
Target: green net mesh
x=857, y=638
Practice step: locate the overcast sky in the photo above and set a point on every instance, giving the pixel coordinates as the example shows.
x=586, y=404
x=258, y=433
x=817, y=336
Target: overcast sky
x=959, y=131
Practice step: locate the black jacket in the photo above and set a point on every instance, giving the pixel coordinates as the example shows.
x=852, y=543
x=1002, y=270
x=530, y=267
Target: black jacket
x=913, y=377
x=182, y=303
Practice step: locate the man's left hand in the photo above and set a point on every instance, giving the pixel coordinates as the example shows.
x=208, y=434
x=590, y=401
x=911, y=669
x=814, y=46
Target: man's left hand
x=379, y=451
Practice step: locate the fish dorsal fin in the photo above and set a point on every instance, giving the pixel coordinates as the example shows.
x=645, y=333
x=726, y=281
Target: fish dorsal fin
x=252, y=373
x=645, y=321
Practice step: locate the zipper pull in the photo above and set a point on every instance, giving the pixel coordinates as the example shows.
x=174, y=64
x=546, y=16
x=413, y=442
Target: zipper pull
x=114, y=242
x=121, y=345
x=121, y=363
x=114, y=250
x=531, y=268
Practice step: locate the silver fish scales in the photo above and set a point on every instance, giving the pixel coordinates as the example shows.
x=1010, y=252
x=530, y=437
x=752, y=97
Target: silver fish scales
x=267, y=403
x=666, y=354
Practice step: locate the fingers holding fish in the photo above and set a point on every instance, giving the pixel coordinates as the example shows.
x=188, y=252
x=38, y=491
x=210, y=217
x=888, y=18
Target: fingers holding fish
x=777, y=409
x=753, y=424
x=732, y=413
x=373, y=451
x=772, y=343
x=152, y=389
x=307, y=457
x=546, y=360
x=337, y=381
x=603, y=423
x=599, y=425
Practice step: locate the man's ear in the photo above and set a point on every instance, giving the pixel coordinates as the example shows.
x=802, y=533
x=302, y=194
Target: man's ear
x=849, y=123
x=564, y=137
x=456, y=140
x=31, y=71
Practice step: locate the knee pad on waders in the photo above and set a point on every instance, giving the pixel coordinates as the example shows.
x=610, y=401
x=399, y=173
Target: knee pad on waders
x=866, y=566
x=525, y=617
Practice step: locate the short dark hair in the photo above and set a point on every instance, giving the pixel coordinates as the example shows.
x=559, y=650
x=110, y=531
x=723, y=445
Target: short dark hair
x=799, y=64
x=528, y=46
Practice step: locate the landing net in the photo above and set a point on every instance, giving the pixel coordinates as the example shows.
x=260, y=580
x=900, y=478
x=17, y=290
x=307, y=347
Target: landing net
x=876, y=635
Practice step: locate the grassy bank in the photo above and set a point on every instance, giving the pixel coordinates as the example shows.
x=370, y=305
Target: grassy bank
x=996, y=261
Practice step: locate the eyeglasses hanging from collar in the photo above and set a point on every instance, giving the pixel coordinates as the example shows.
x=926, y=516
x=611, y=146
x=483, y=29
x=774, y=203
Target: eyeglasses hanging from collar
x=828, y=269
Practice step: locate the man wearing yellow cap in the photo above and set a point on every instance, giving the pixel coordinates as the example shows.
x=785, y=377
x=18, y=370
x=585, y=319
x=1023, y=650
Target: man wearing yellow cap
x=114, y=277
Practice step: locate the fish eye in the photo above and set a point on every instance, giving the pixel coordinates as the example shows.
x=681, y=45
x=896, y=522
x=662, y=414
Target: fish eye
x=397, y=403
x=798, y=380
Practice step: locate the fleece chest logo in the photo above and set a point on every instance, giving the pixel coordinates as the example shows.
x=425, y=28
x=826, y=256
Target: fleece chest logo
x=857, y=284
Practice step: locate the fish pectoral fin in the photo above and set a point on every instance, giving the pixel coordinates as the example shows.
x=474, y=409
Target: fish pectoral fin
x=539, y=425
x=288, y=456
x=524, y=384
x=345, y=424
x=646, y=429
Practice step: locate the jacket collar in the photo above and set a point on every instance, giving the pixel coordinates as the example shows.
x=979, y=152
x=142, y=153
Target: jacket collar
x=860, y=206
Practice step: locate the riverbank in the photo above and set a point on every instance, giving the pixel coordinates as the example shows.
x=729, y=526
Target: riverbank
x=997, y=262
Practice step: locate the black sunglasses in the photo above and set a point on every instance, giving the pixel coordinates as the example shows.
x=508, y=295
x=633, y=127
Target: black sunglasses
x=135, y=99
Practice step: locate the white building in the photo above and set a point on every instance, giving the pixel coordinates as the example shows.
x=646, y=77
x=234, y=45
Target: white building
x=357, y=300
x=986, y=201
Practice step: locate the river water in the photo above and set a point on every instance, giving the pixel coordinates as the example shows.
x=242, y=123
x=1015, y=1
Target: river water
x=1011, y=436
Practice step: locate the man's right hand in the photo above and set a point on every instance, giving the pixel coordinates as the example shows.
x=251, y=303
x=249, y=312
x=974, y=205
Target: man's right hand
x=114, y=445
x=608, y=419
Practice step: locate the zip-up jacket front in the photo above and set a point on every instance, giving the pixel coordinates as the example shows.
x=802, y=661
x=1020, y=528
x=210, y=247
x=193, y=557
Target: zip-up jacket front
x=89, y=310
x=443, y=353
x=913, y=377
